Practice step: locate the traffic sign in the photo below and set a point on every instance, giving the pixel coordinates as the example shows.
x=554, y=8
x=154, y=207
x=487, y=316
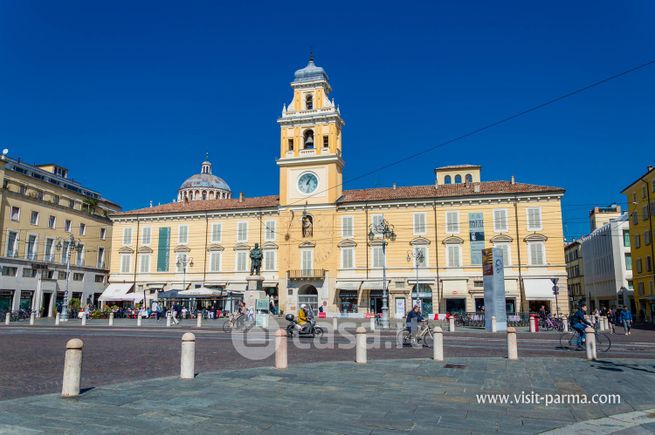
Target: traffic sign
x=555, y=290
x=554, y=281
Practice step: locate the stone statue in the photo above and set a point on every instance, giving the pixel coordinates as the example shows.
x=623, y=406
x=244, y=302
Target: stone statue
x=256, y=256
x=307, y=226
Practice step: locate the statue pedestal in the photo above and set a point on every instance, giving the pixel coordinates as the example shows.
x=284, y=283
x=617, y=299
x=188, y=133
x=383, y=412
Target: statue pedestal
x=254, y=290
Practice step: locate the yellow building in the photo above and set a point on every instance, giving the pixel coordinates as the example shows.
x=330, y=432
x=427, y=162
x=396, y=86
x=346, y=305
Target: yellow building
x=40, y=210
x=640, y=195
x=315, y=235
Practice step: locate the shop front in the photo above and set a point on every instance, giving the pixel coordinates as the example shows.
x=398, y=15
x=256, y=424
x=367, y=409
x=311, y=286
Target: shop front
x=538, y=293
x=26, y=297
x=423, y=297
x=6, y=300
x=455, y=305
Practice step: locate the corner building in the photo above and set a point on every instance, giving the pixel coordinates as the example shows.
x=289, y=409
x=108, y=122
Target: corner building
x=315, y=236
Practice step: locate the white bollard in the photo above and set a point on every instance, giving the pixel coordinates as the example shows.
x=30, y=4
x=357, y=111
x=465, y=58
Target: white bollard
x=188, y=356
x=281, y=349
x=372, y=323
x=84, y=320
x=32, y=318
x=199, y=321
x=360, y=345
x=138, y=320
x=72, y=368
x=533, y=324
x=334, y=325
x=452, y=324
x=565, y=321
x=437, y=346
x=168, y=319
x=7, y=319
x=493, y=324
x=111, y=319
x=590, y=343
x=57, y=319
x=512, y=347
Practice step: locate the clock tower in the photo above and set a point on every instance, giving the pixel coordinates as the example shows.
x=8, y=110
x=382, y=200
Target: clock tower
x=310, y=141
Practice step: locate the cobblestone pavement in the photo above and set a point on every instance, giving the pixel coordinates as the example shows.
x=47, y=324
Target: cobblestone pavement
x=417, y=396
x=32, y=357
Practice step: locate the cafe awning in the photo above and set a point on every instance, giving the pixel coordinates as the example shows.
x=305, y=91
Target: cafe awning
x=236, y=287
x=348, y=285
x=118, y=292
x=201, y=292
x=538, y=289
x=373, y=285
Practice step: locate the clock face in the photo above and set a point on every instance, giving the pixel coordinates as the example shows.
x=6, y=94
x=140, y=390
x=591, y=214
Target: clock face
x=307, y=183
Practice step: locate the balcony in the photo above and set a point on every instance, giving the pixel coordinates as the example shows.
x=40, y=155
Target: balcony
x=306, y=274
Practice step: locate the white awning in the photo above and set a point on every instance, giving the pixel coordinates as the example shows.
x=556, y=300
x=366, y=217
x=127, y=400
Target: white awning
x=236, y=287
x=349, y=285
x=118, y=292
x=269, y=284
x=373, y=285
x=538, y=289
x=201, y=292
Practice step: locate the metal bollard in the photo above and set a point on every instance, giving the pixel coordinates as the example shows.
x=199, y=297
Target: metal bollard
x=7, y=319
x=437, y=346
x=84, y=320
x=334, y=325
x=32, y=318
x=590, y=343
x=138, y=320
x=360, y=345
x=57, y=319
x=199, y=321
x=281, y=349
x=188, y=356
x=493, y=324
x=72, y=368
x=111, y=319
x=512, y=347
x=451, y=324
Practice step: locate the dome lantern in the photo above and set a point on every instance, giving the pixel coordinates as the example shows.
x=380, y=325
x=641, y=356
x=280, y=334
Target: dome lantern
x=204, y=186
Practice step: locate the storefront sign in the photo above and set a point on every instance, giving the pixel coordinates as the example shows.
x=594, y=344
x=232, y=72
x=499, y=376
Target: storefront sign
x=494, y=289
x=476, y=237
x=261, y=305
x=400, y=308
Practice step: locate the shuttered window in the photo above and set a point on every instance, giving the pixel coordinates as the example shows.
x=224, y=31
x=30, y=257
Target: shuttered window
x=419, y=223
x=163, y=248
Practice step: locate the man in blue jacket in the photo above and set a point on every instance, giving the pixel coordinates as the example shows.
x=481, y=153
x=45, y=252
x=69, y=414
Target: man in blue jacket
x=580, y=323
x=626, y=319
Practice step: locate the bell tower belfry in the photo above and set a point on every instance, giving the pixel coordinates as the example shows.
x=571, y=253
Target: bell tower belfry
x=310, y=141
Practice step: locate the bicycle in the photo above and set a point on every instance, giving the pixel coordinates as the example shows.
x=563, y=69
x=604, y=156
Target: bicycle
x=423, y=337
x=569, y=340
x=237, y=322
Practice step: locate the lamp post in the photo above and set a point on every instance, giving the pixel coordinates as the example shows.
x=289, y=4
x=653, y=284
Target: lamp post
x=182, y=262
x=384, y=231
x=419, y=257
x=70, y=244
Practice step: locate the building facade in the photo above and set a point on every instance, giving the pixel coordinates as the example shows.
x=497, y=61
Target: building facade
x=641, y=198
x=575, y=274
x=607, y=258
x=40, y=210
x=317, y=240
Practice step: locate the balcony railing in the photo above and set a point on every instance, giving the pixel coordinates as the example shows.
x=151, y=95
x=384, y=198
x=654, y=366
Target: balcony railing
x=306, y=274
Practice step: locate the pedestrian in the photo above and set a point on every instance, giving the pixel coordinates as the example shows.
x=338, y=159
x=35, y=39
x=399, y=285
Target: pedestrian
x=626, y=318
x=611, y=320
x=176, y=312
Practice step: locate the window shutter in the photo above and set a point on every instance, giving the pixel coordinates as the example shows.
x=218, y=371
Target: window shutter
x=347, y=226
x=216, y=233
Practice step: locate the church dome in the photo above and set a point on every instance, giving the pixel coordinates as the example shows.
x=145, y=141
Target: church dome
x=204, y=185
x=310, y=73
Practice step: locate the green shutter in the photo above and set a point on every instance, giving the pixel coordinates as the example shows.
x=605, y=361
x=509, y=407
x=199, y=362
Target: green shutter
x=163, y=249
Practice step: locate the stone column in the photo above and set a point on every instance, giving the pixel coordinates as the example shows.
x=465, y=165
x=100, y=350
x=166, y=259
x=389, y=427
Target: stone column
x=512, y=347
x=72, y=368
x=281, y=349
x=438, y=344
x=360, y=345
x=188, y=356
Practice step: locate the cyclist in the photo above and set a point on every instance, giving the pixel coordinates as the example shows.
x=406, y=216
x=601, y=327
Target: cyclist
x=413, y=317
x=580, y=323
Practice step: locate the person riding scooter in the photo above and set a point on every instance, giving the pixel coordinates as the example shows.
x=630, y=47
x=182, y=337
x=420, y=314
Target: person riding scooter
x=302, y=318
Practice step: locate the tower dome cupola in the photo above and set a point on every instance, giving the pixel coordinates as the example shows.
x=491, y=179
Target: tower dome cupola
x=204, y=186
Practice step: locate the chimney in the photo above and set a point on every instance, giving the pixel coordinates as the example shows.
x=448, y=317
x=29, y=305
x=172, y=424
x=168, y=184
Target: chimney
x=513, y=181
x=393, y=186
x=650, y=168
x=476, y=187
x=241, y=196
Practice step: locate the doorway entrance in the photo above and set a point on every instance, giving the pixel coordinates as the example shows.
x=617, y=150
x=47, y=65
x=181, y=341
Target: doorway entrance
x=45, y=306
x=308, y=295
x=375, y=302
x=455, y=305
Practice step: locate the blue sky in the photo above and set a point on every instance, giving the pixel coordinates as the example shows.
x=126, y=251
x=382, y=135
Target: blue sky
x=130, y=94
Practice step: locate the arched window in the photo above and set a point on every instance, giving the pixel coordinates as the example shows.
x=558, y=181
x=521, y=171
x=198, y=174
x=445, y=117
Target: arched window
x=309, y=102
x=204, y=194
x=469, y=178
x=447, y=179
x=308, y=140
x=458, y=179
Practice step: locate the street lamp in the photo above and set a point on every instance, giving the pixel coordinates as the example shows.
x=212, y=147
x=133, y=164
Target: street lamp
x=419, y=257
x=182, y=262
x=383, y=230
x=70, y=244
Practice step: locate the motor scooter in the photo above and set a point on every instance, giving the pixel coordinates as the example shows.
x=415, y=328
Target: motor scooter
x=311, y=329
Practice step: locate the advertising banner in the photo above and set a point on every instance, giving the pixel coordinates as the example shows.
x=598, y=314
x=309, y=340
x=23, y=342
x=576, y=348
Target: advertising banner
x=494, y=289
x=476, y=237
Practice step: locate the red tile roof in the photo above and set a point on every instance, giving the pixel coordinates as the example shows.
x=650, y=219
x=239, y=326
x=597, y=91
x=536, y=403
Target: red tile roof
x=353, y=196
x=444, y=191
